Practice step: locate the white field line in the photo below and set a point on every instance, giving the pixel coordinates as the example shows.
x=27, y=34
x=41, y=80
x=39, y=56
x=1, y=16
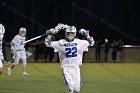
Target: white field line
x=125, y=81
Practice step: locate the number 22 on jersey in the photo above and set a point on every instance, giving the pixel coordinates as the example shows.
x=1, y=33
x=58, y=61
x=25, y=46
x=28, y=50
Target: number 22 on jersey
x=71, y=52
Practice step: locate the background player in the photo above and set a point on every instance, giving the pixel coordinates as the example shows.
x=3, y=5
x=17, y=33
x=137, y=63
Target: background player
x=70, y=52
x=19, y=51
x=2, y=31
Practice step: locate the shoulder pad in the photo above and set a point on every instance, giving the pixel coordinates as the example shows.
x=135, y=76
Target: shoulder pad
x=62, y=41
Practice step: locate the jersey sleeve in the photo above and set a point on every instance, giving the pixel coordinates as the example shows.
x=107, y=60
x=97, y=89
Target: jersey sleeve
x=85, y=44
x=15, y=40
x=55, y=45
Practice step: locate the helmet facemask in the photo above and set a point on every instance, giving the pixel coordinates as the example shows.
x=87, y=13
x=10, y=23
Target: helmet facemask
x=22, y=31
x=70, y=33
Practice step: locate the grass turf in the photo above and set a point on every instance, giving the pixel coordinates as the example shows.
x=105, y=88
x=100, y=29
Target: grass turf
x=97, y=78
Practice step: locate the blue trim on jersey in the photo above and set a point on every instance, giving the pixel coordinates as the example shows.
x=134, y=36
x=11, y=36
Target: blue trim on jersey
x=0, y=45
x=68, y=40
x=81, y=81
x=64, y=77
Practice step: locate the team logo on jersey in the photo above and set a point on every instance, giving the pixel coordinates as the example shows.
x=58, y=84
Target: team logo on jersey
x=70, y=44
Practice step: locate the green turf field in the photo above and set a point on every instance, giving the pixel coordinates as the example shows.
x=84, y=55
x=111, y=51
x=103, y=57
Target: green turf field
x=97, y=78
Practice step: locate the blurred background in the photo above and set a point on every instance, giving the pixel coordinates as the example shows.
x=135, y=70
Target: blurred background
x=105, y=19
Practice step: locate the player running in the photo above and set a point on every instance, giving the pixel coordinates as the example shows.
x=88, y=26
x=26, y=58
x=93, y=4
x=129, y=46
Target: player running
x=70, y=52
x=19, y=51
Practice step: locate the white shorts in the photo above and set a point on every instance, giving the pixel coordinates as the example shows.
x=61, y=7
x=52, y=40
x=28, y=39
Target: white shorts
x=72, y=76
x=20, y=54
x=1, y=65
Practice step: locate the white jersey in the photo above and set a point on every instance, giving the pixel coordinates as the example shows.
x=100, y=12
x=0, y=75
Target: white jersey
x=1, y=54
x=17, y=40
x=70, y=53
x=1, y=47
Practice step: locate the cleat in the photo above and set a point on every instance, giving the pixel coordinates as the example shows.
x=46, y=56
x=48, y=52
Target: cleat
x=9, y=71
x=25, y=74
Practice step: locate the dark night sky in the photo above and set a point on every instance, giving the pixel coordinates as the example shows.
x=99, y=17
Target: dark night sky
x=110, y=19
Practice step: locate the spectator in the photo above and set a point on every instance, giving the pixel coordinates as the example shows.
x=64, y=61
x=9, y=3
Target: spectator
x=120, y=51
x=98, y=46
x=42, y=50
x=114, y=50
x=37, y=52
x=106, y=50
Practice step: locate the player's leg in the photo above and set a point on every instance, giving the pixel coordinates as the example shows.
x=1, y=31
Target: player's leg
x=70, y=88
x=68, y=79
x=24, y=67
x=16, y=61
x=77, y=80
x=24, y=60
x=13, y=65
x=1, y=67
x=1, y=70
x=28, y=54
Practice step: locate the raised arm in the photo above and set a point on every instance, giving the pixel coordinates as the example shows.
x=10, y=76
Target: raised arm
x=88, y=37
x=52, y=31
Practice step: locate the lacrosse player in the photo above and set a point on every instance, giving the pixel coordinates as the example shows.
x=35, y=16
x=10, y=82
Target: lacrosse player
x=2, y=31
x=70, y=52
x=19, y=51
